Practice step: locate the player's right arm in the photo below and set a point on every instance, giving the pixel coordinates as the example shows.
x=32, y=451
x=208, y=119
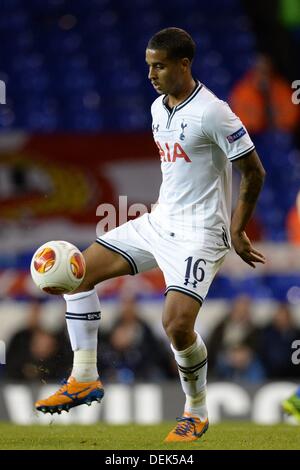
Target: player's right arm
x=252, y=178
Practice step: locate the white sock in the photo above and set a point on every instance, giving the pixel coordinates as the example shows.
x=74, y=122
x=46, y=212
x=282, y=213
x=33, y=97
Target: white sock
x=85, y=365
x=83, y=319
x=192, y=367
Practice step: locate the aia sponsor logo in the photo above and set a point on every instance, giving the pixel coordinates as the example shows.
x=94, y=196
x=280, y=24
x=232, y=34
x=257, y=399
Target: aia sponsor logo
x=169, y=154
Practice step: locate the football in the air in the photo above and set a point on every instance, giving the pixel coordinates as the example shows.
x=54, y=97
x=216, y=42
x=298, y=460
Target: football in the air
x=57, y=267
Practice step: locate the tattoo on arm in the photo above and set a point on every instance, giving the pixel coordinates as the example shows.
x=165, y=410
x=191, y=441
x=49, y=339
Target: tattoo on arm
x=252, y=179
x=250, y=188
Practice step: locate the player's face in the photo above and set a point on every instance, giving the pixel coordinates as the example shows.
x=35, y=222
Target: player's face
x=165, y=74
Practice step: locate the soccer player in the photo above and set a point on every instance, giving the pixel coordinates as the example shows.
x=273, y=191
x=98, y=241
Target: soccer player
x=187, y=234
x=291, y=405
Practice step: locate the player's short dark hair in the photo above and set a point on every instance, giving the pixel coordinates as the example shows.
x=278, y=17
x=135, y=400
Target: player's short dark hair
x=177, y=42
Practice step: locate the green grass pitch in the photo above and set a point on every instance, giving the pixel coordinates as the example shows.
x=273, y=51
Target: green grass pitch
x=227, y=435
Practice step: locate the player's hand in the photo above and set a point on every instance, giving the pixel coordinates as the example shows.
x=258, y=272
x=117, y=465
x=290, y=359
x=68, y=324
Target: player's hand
x=245, y=250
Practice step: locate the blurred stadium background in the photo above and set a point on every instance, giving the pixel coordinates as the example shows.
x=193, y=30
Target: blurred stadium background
x=75, y=133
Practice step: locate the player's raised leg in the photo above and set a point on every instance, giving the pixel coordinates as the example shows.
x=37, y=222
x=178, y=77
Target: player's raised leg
x=83, y=319
x=190, y=353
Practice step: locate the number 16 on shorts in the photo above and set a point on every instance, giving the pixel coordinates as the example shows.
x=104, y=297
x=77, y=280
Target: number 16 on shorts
x=194, y=271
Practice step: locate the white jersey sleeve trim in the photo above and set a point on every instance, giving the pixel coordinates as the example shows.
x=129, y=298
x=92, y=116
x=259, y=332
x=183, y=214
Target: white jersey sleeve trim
x=245, y=152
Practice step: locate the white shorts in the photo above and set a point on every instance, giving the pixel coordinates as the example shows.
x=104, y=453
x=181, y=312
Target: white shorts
x=187, y=267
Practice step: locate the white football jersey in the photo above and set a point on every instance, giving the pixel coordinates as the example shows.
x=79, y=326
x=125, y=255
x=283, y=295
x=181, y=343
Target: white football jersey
x=197, y=140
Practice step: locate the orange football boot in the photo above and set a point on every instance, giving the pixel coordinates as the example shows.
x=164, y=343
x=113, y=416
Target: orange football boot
x=72, y=393
x=189, y=428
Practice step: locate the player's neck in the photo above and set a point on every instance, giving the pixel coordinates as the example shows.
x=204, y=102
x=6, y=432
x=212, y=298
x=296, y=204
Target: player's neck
x=183, y=93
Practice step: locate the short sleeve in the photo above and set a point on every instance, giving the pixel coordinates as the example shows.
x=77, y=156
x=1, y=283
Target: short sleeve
x=225, y=129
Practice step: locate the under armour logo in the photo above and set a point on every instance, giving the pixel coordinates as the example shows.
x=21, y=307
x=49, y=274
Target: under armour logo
x=183, y=126
x=186, y=282
x=155, y=128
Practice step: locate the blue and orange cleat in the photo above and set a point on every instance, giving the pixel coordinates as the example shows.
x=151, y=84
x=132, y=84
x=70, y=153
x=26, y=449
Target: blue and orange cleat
x=189, y=428
x=72, y=393
x=291, y=406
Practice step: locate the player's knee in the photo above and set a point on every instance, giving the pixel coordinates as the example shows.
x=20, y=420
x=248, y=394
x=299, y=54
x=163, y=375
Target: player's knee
x=179, y=331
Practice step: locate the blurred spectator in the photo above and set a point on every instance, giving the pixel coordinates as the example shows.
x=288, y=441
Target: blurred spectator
x=236, y=329
x=239, y=363
x=275, y=345
x=293, y=223
x=36, y=354
x=131, y=351
x=262, y=99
